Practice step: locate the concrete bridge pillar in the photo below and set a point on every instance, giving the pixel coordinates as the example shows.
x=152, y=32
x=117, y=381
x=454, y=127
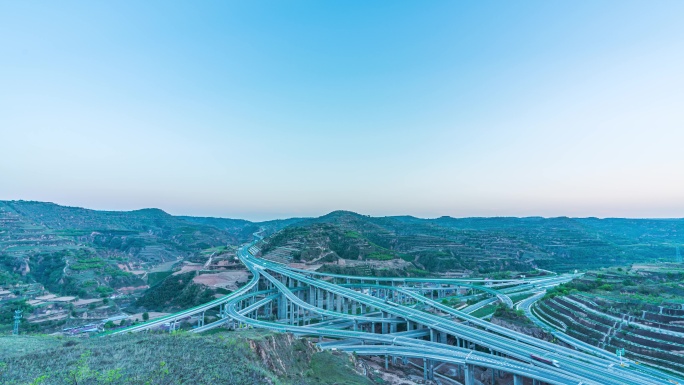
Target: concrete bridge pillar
x=282, y=307
x=535, y=381
x=393, y=327
x=469, y=374
x=383, y=327
x=319, y=298
x=425, y=369
x=517, y=379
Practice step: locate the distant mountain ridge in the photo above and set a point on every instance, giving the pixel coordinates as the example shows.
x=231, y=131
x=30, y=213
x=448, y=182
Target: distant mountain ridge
x=30, y=230
x=487, y=245
x=103, y=255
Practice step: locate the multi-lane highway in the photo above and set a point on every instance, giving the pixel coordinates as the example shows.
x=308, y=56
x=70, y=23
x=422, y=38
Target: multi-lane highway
x=404, y=319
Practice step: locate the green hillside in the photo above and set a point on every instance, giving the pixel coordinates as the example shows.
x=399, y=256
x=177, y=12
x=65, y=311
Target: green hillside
x=89, y=264
x=483, y=245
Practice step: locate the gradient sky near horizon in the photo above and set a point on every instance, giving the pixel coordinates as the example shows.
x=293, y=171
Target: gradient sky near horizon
x=271, y=109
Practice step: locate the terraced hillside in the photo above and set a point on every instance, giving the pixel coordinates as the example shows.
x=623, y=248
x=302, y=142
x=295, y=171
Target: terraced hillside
x=640, y=309
x=480, y=245
x=63, y=264
x=74, y=251
x=66, y=265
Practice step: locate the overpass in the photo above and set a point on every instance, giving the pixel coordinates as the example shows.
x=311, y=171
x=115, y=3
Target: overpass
x=404, y=321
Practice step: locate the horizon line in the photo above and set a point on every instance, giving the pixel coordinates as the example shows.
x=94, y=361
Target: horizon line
x=343, y=210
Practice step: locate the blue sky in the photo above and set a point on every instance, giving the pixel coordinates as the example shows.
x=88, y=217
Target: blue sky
x=269, y=109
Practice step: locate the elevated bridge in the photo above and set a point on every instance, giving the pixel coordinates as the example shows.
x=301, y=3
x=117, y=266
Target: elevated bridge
x=404, y=320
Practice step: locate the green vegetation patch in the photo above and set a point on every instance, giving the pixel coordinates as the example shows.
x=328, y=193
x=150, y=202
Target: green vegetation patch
x=647, y=284
x=156, y=277
x=240, y=358
x=516, y=316
x=328, y=368
x=17, y=346
x=175, y=292
x=380, y=256
x=484, y=311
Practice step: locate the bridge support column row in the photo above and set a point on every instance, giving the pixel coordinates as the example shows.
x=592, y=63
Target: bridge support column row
x=428, y=369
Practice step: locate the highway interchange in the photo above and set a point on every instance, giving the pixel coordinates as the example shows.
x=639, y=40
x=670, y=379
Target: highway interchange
x=403, y=318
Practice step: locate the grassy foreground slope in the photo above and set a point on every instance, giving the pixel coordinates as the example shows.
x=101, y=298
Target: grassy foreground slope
x=240, y=358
